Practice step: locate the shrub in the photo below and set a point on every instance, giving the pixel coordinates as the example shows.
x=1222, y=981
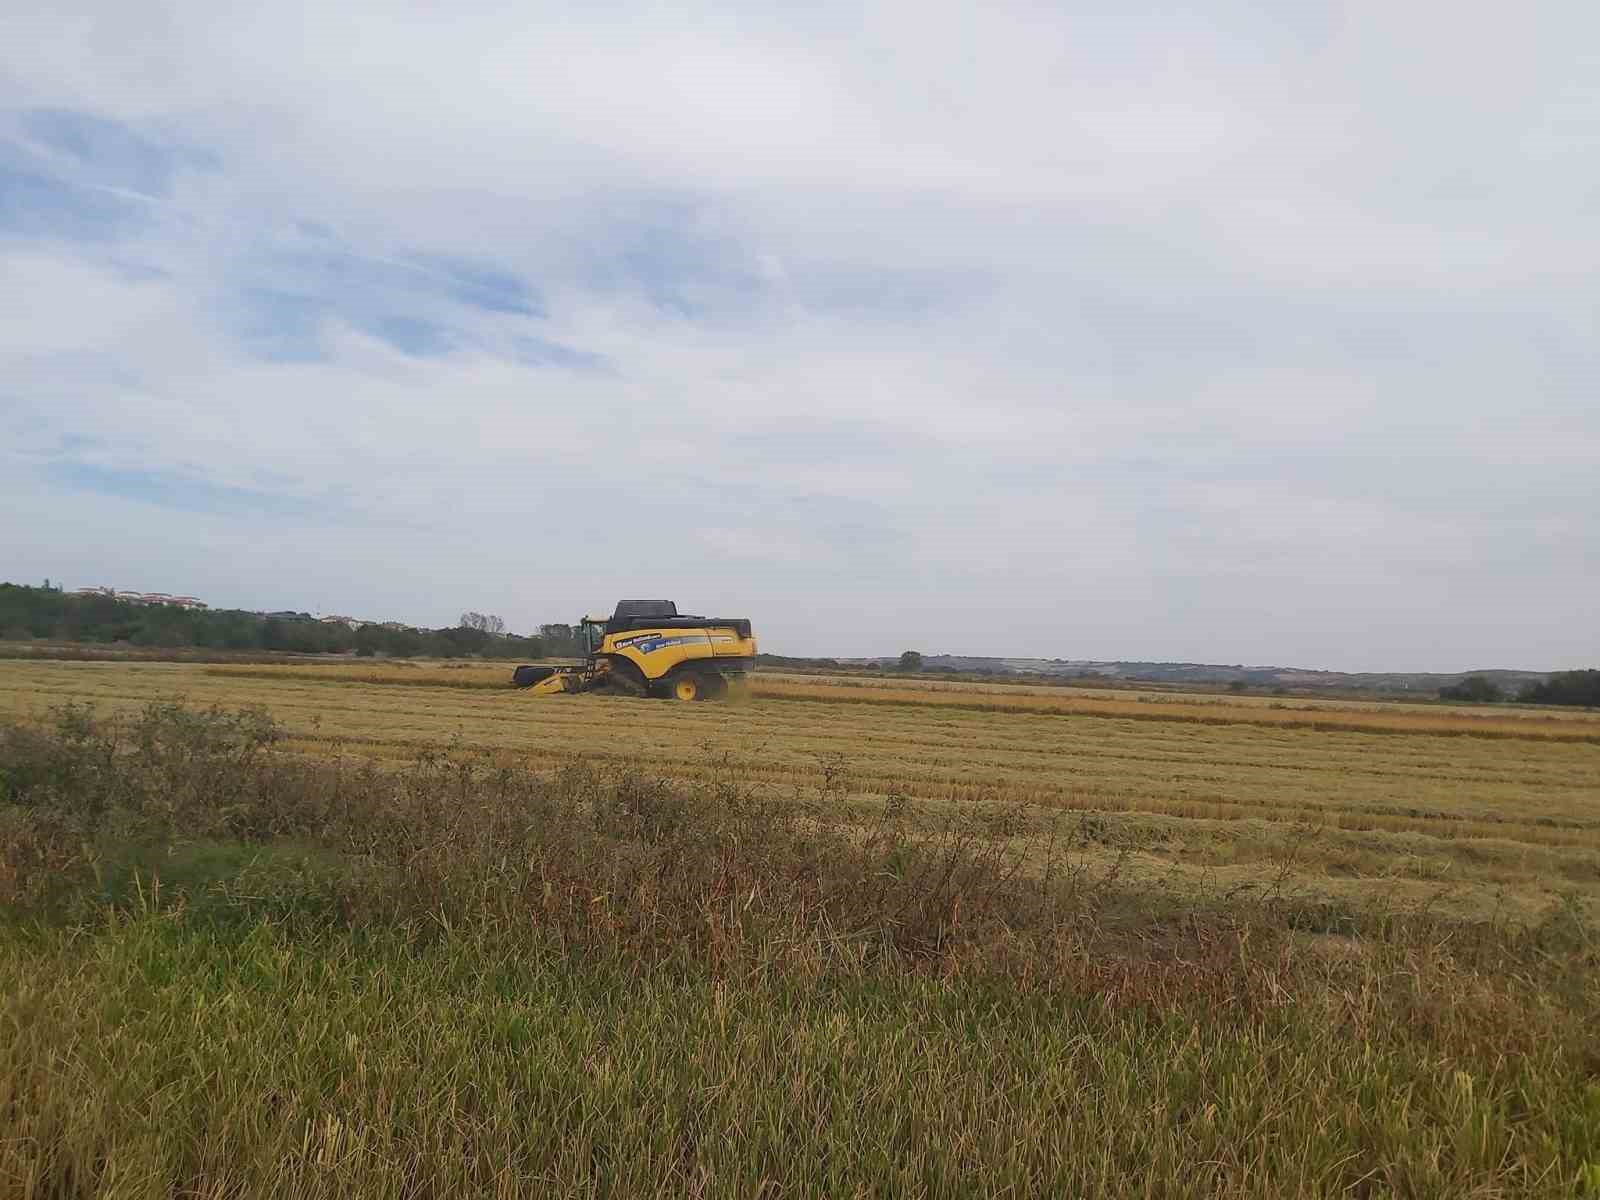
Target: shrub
x=1474, y=689
x=1581, y=688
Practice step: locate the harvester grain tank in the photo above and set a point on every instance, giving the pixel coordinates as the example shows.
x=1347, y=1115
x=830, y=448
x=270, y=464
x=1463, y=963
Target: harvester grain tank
x=649, y=648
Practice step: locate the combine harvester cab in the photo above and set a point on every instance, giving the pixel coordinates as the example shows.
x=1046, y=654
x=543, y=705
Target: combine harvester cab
x=648, y=648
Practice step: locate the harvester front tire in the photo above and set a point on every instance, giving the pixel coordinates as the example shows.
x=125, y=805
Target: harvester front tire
x=626, y=678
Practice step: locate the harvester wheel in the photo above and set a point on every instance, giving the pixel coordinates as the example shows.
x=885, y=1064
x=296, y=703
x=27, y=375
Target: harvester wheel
x=688, y=686
x=626, y=678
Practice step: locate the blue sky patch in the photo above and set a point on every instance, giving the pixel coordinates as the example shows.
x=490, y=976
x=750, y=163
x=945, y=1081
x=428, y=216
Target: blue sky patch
x=487, y=288
x=537, y=352
x=170, y=489
x=660, y=248
x=117, y=155
x=879, y=292
x=113, y=154
x=413, y=303
x=35, y=205
x=679, y=270
x=278, y=326
x=414, y=336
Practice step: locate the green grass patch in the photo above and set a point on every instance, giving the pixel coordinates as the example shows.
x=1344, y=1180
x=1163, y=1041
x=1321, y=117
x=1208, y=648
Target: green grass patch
x=153, y=1057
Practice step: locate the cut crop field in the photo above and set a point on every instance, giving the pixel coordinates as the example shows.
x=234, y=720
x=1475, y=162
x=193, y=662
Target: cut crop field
x=1352, y=802
x=389, y=929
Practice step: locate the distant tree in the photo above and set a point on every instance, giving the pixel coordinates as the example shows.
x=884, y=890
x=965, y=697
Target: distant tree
x=1237, y=685
x=483, y=623
x=463, y=639
x=1580, y=688
x=512, y=646
x=1474, y=689
x=402, y=643
x=239, y=632
x=560, y=641
x=910, y=660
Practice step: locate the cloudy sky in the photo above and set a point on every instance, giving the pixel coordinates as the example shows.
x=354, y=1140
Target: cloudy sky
x=1224, y=332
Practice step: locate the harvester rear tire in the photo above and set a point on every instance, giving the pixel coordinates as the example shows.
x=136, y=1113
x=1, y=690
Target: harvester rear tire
x=687, y=686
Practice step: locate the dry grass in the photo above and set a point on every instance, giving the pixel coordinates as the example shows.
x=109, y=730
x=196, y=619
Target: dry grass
x=1332, y=715
x=1521, y=723
x=1474, y=825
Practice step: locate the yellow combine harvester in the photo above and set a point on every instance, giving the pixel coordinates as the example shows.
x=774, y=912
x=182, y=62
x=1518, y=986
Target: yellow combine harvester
x=647, y=648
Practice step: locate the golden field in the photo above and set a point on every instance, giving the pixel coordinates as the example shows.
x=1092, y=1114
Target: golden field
x=1476, y=811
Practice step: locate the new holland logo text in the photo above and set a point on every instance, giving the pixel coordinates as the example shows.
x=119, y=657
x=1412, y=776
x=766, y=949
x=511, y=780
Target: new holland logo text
x=648, y=643
x=645, y=643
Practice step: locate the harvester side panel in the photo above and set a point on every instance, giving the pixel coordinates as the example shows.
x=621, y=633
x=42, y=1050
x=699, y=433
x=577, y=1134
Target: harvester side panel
x=656, y=652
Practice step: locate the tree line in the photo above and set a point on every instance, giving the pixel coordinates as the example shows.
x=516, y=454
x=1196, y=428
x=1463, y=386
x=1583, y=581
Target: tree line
x=29, y=612
x=1577, y=688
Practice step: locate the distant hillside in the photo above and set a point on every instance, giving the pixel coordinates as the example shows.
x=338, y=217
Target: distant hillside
x=1510, y=681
